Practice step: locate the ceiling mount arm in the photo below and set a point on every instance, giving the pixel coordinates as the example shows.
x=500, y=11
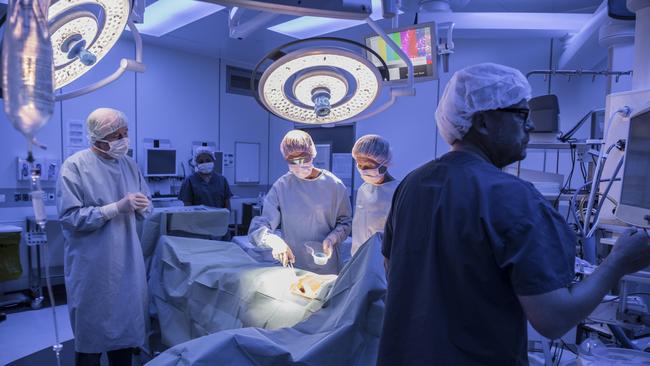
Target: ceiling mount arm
x=410, y=84
x=125, y=65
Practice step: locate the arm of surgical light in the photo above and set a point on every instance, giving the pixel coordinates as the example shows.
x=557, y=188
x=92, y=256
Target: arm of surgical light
x=125, y=65
x=395, y=92
x=410, y=89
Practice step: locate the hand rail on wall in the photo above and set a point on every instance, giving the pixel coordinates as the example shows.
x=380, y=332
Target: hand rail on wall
x=579, y=73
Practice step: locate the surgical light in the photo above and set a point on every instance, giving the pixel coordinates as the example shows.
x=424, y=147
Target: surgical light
x=326, y=85
x=82, y=32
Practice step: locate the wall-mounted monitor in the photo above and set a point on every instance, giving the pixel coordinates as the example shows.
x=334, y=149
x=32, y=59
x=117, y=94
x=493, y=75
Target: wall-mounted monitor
x=634, y=206
x=160, y=163
x=419, y=42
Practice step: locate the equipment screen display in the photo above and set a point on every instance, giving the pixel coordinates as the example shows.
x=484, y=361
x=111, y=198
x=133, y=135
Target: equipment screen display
x=636, y=176
x=417, y=42
x=161, y=162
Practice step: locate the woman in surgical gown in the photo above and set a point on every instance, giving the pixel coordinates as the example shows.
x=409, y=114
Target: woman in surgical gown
x=310, y=206
x=373, y=155
x=101, y=193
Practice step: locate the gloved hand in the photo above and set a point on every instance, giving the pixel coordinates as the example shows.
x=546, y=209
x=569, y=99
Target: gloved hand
x=328, y=247
x=281, y=250
x=631, y=252
x=132, y=202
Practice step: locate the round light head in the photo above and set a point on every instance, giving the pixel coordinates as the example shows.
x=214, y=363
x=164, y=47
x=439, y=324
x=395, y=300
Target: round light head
x=306, y=84
x=329, y=85
x=71, y=24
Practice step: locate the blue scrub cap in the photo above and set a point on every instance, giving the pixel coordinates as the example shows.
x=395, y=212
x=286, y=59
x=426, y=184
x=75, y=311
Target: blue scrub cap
x=297, y=142
x=373, y=147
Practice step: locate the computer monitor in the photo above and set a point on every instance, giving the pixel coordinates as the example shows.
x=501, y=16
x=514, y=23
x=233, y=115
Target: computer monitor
x=160, y=163
x=418, y=42
x=634, y=206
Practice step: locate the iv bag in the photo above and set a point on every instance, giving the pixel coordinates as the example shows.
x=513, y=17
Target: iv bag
x=27, y=66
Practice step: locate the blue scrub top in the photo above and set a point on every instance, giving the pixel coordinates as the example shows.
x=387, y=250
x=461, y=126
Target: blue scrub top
x=213, y=193
x=463, y=239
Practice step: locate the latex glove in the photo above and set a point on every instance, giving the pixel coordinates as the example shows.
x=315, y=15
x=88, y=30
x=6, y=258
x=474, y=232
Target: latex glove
x=132, y=202
x=328, y=247
x=281, y=250
x=631, y=253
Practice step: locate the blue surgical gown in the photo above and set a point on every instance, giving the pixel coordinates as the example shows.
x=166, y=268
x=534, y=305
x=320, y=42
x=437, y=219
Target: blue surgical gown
x=104, y=267
x=308, y=211
x=371, y=211
x=196, y=191
x=463, y=239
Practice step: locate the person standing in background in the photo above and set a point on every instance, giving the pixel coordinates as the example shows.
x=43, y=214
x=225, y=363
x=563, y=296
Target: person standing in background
x=205, y=186
x=100, y=195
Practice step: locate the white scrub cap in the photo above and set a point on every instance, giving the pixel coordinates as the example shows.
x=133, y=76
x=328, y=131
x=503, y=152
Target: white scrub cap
x=297, y=142
x=477, y=88
x=201, y=150
x=103, y=122
x=373, y=147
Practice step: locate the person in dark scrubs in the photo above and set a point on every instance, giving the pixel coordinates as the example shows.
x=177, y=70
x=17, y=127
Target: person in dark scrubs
x=205, y=186
x=473, y=252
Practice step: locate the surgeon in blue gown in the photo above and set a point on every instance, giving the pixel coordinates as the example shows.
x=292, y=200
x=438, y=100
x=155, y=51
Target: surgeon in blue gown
x=474, y=252
x=101, y=194
x=310, y=206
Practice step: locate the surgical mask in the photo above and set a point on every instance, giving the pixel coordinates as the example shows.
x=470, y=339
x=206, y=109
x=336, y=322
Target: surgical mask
x=301, y=171
x=205, y=168
x=117, y=148
x=372, y=176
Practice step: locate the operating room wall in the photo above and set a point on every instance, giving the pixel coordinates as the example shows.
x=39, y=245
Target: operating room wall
x=177, y=98
x=410, y=125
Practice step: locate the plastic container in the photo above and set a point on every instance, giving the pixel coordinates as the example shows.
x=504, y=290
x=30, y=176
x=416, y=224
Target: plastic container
x=27, y=78
x=586, y=350
x=320, y=258
x=315, y=249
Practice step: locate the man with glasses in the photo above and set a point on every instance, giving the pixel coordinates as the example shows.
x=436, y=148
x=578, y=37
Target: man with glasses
x=474, y=252
x=311, y=208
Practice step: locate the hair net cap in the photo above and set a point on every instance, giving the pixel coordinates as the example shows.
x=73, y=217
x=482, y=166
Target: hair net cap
x=203, y=150
x=103, y=122
x=477, y=88
x=297, y=142
x=373, y=147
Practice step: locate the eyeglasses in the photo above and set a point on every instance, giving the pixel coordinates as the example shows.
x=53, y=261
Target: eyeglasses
x=524, y=113
x=299, y=161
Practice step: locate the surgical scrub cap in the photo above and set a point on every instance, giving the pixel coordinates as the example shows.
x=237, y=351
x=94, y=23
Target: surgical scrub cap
x=203, y=150
x=373, y=147
x=297, y=142
x=477, y=88
x=103, y=122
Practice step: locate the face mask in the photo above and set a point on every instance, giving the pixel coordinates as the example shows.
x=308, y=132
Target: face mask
x=205, y=168
x=117, y=148
x=301, y=171
x=372, y=176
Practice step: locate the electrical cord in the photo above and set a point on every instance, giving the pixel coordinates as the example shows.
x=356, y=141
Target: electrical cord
x=602, y=202
x=567, y=347
x=600, y=165
x=602, y=156
x=621, y=337
x=567, y=183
